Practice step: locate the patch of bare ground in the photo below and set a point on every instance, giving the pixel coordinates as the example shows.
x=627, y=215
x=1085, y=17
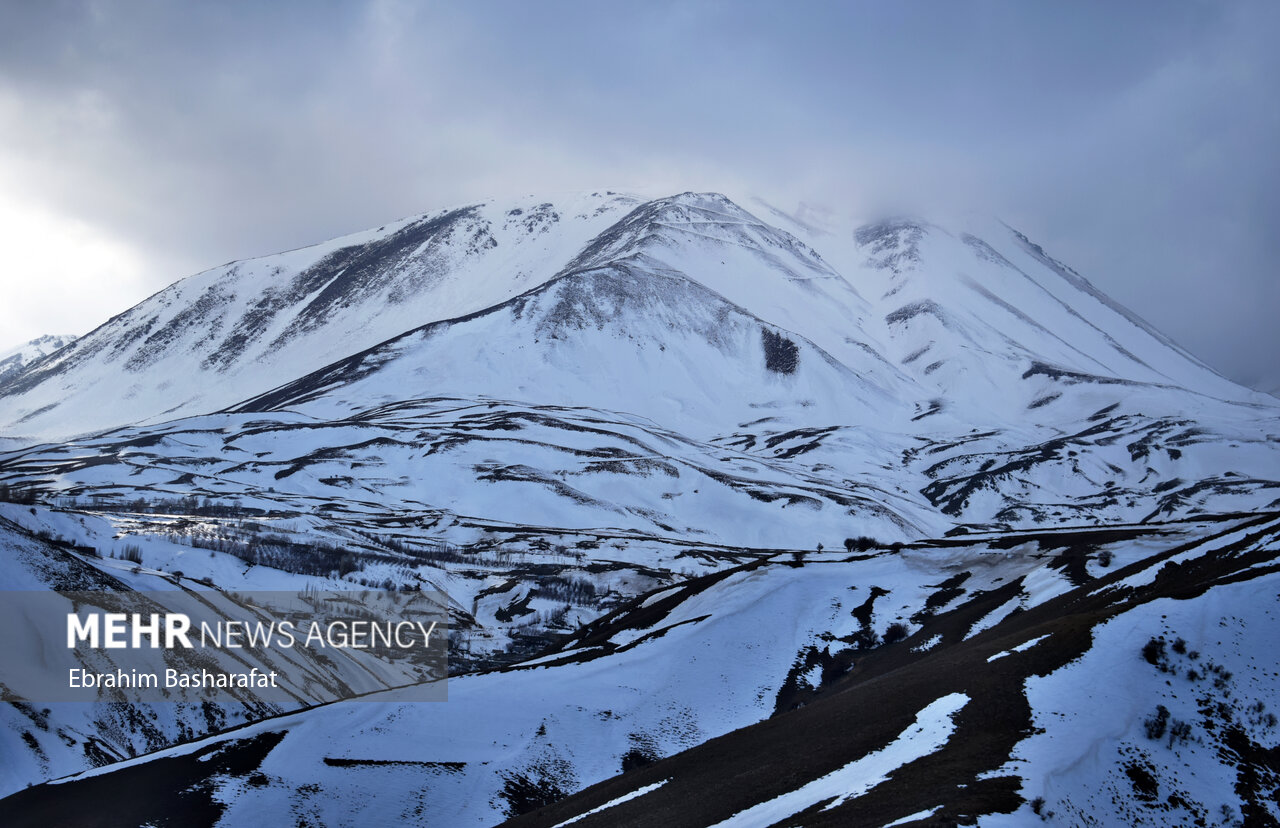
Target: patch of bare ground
x=178, y=790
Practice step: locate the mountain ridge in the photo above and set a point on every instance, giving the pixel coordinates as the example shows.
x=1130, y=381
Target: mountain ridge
x=603, y=228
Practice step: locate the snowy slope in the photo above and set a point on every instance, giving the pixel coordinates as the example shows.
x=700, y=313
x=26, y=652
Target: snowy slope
x=15, y=360
x=993, y=323
x=53, y=738
x=572, y=469
x=650, y=344
x=234, y=331
x=1038, y=711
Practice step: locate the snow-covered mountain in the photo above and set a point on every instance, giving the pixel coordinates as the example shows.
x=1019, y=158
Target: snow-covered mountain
x=915, y=313
x=15, y=360
x=933, y=378
x=616, y=430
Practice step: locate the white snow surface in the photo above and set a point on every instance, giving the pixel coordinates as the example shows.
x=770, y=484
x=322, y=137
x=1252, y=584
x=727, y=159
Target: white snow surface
x=912, y=817
x=1023, y=647
x=1089, y=716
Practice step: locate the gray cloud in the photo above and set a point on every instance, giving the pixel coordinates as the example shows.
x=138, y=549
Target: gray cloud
x=1134, y=140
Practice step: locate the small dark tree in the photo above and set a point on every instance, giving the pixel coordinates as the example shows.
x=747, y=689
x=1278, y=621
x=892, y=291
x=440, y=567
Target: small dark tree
x=1153, y=652
x=864, y=639
x=637, y=758
x=1155, y=725
x=895, y=632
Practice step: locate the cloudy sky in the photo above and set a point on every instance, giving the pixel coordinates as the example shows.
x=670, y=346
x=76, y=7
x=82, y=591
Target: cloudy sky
x=143, y=141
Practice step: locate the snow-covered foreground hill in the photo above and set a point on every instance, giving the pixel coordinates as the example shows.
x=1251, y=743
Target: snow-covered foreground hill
x=622, y=431
x=51, y=739
x=955, y=681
